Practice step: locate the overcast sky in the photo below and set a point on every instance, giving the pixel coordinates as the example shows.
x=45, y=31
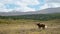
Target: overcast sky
x=27, y=5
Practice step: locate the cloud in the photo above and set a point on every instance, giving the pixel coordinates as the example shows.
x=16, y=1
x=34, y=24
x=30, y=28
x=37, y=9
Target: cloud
x=27, y=5
x=30, y=2
x=44, y=6
x=56, y=1
x=9, y=5
x=24, y=9
x=51, y=4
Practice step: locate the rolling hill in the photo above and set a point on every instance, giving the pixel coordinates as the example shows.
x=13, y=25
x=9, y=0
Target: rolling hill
x=46, y=14
x=44, y=11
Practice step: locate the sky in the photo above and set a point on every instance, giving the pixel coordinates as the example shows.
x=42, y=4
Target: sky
x=27, y=5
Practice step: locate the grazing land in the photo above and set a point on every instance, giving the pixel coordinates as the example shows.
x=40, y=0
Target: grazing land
x=28, y=26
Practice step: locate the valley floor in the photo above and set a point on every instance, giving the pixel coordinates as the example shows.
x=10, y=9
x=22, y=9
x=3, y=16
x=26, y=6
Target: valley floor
x=30, y=28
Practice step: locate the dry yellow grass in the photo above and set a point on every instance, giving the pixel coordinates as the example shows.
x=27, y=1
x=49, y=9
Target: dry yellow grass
x=29, y=27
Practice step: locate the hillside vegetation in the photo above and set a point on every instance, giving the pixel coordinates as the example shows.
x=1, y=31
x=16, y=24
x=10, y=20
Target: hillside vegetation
x=42, y=17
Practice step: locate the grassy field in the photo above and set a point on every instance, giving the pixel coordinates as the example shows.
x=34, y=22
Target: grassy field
x=21, y=26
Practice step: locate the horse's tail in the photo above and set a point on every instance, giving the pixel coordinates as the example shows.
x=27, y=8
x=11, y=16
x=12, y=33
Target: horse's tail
x=45, y=26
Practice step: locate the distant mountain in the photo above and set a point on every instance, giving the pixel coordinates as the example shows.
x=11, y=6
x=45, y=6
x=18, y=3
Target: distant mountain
x=51, y=10
x=44, y=11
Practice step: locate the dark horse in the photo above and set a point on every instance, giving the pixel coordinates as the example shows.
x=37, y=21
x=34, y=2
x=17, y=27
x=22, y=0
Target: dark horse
x=41, y=26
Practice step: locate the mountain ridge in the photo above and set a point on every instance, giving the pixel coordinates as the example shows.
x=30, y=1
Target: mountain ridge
x=44, y=11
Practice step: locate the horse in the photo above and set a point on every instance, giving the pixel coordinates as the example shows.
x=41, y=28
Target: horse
x=43, y=26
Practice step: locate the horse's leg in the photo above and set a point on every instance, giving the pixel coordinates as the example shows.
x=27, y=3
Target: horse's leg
x=39, y=27
x=43, y=27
